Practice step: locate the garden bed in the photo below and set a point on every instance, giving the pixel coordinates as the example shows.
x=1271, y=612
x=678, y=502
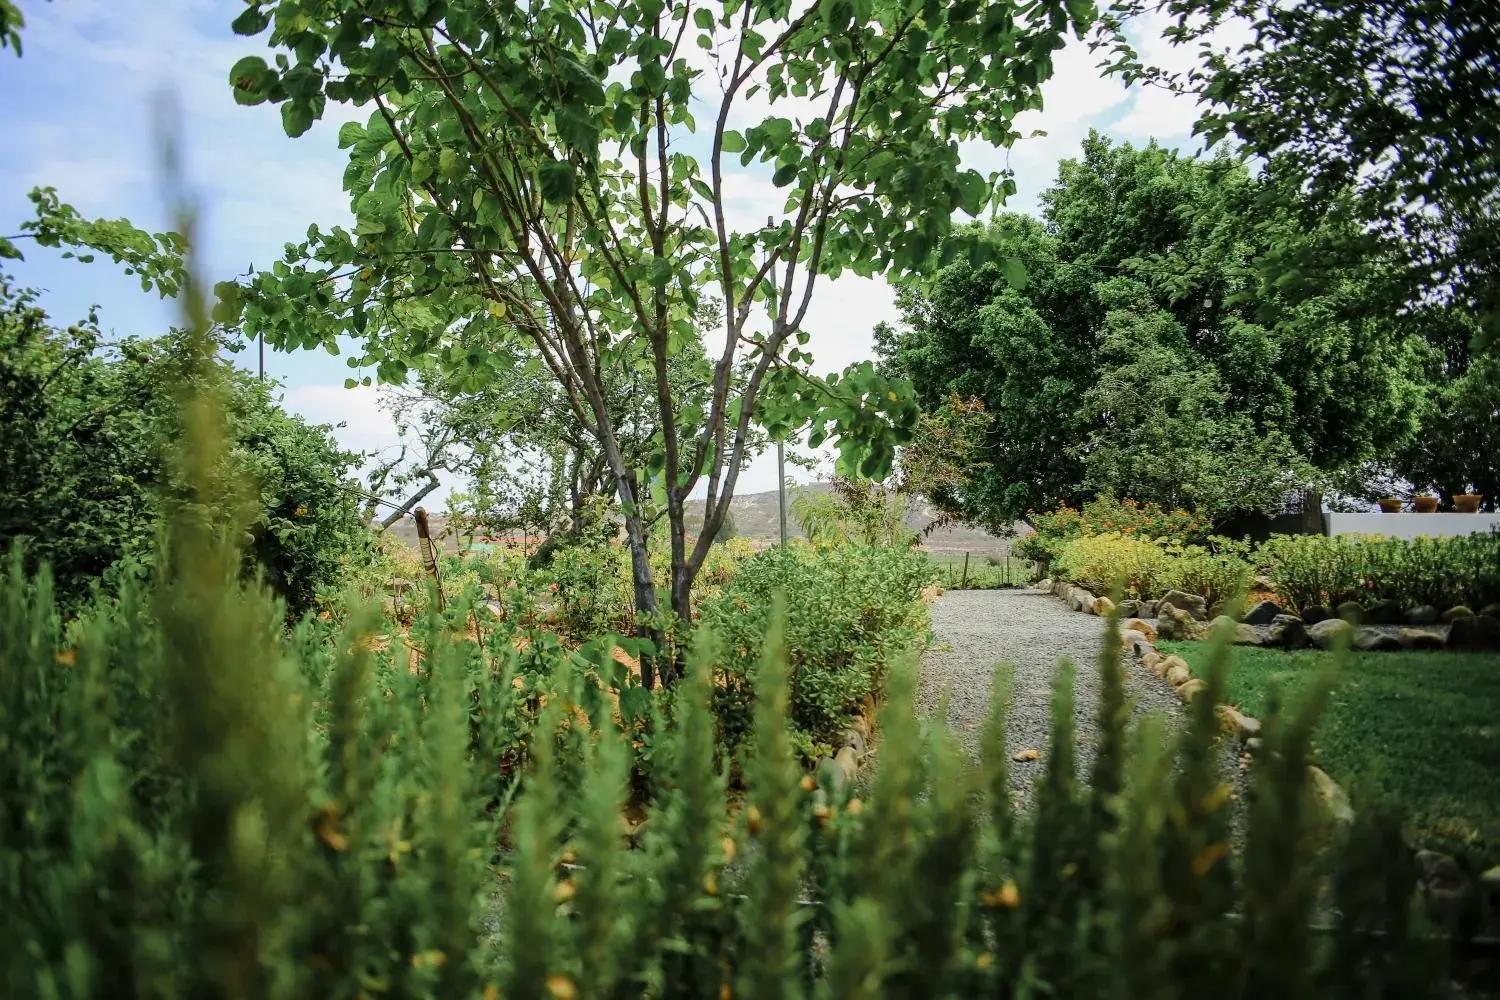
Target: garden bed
x=1419, y=730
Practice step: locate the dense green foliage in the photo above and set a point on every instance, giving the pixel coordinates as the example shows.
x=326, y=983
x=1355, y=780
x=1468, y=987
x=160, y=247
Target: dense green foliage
x=1302, y=570
x=85, y=425
x=851, y=611
x=1105, y=515
x=1141, y=353
x=1443, y=572
x=1397, y=102
x=1412, y=729
x=259, y=817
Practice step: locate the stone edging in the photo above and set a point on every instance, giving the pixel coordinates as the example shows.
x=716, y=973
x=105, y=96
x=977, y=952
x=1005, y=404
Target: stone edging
x=1139, y=640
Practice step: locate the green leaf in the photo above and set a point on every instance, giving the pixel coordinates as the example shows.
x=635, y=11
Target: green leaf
x=350, y=133
x=449, y=165
x=785, y=174
x=252, y=21
x=248, y=77
x=1015, y=273
x=733, y=142
x=703, y=18
x=557, y=181
x=296, y=117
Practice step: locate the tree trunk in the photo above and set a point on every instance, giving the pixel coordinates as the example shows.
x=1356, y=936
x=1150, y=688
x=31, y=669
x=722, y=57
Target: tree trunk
x=647, y=606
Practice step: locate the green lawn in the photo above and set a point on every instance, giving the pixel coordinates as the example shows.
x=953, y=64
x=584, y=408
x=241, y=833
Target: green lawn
x=1421, y=730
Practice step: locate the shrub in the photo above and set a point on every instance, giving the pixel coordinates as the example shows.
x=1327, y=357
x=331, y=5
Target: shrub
x=1106, y=516
x=210, y=811
x=850, y=611
x=1314, y=569
x=1218, y=571
x=1141, y=566
x=85, y=425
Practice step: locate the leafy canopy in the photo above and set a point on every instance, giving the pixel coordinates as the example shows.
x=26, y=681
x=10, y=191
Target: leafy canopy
x=1146, y=336
x=1398, y=101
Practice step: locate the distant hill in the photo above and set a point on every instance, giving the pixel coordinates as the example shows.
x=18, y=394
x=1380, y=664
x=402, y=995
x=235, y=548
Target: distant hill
x=756, y=518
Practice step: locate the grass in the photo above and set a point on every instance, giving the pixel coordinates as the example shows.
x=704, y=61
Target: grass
x=1419, y=730
x=986, y=572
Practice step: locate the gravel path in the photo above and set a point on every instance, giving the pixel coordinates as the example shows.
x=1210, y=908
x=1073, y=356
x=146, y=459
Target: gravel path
x=1031, y=630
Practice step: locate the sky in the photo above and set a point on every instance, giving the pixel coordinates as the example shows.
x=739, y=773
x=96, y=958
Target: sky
x=78, y=113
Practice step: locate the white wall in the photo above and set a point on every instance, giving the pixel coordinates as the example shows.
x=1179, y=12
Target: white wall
x=1409, y=525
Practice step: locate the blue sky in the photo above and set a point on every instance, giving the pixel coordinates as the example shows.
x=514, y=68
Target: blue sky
x=77, y=113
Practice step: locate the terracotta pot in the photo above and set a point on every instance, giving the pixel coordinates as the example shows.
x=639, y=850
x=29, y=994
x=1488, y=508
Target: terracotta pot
x=1391, y=505
x=1467, y=503
x=1424, y=504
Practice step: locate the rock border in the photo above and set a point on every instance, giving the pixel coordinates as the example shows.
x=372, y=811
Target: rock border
x=1139, y=638
x=1380, y=627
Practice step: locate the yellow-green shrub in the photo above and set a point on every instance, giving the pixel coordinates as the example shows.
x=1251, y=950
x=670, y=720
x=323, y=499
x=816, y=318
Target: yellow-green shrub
x=1097, y=562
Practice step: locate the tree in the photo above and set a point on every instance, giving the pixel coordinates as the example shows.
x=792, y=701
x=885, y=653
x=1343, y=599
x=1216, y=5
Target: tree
x=1144, y=266
x=85, y=423
x=1453, y=449
x=1397, y=101
x=1163, y=427
x=534, y=172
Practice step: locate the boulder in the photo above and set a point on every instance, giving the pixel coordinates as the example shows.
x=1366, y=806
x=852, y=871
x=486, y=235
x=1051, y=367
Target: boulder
x=1248, y=635
x=1241, y=725
x=1374, y=640
x=1350, y=611
x=1330, y=796
x=1445, y=888
x=1137, y=625
x=1044, y=585
x=1262, y=613
x=1168, y=662
x=1326, y=633
x=1081, y=599
x=1191, y=690
x=1151, y=660
x=1385, y=612
x=831, y=776
x=854, y=740
x=1148, y=609
x=1130, y=609
x=1178, y=675
x=1174, y=624
x=847, y=762
x=1139, y=644
x=1476, y=633
x=1457, y=611
x=1102, y=606
x=1314, y=613
x=1183, y=601
x=1286, y=631
x=1421, y=638
x=1423, y=614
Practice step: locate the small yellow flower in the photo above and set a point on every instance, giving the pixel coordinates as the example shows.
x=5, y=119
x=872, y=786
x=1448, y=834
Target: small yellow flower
x=301, y=512
x=729, y=849
x=855, y=807
x=564, y=891
x=807, y=783
x=984, y=961
x=561, y=987
x=753, y=820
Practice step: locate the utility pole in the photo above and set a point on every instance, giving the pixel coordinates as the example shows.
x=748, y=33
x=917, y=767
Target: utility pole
x=780, y=444
x=781, y=486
